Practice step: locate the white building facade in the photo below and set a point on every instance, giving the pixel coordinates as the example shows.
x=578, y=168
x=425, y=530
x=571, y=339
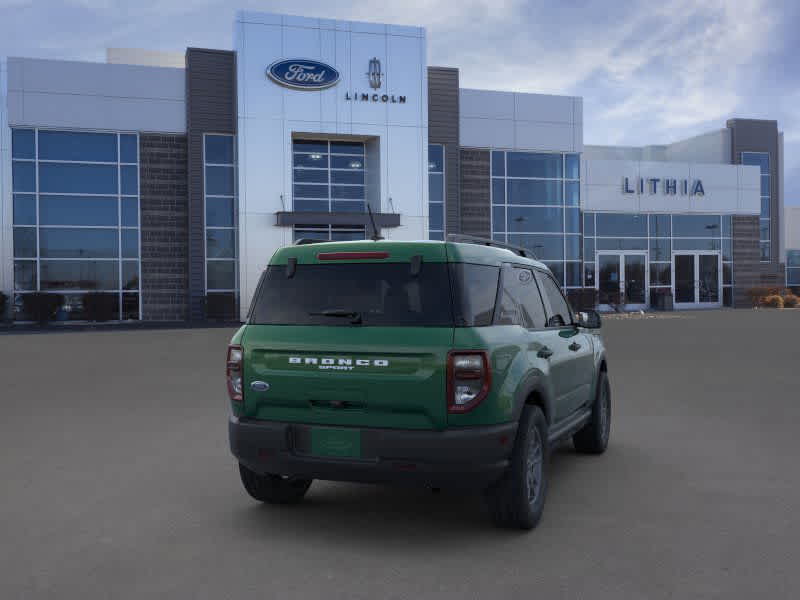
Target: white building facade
x=164, y=188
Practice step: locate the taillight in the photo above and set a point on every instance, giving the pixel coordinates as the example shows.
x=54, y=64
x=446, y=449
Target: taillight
x=233, y=373
x=469, y=378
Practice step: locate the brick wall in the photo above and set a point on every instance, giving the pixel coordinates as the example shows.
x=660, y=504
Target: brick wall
x=475, y=198
x=748, y=271
x=746, y=253
x=165, y=227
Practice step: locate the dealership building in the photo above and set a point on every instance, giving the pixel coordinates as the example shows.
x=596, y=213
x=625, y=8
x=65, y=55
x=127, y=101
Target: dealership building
x=168, y=180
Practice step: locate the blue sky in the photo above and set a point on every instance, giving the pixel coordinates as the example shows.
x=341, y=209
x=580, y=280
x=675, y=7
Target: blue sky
x=649, y=72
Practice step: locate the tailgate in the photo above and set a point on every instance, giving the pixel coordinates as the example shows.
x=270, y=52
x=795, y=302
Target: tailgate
x=392, y=377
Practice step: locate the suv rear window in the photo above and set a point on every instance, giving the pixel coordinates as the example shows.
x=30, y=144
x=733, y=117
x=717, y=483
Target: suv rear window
x=379, y=294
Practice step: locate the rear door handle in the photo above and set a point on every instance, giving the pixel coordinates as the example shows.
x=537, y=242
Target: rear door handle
x=574, y=346
x=544, y=352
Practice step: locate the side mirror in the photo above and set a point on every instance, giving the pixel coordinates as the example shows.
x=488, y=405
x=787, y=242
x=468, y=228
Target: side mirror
x=590, y=319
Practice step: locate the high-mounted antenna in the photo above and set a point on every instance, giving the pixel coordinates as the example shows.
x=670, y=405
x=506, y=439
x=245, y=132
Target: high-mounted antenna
x=375, y=235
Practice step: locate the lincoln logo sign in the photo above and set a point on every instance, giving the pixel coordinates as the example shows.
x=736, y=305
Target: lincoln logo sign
x=669, y=187
x=374, y=74
x=375, y=78
x=337, y=364
x=302, y=74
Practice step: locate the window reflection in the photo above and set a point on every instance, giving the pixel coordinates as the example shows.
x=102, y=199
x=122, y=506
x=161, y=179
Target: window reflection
x=536, y=200
x=667, y=233
x=80, y=237
x=436, y=194
x=220, y=213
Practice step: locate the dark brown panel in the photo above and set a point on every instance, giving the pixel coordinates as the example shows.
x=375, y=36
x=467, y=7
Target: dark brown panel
x=164, y=227
x=443, y=113
x=754, y=135
x=210, y=108
x=746, y=266
x=475, y=197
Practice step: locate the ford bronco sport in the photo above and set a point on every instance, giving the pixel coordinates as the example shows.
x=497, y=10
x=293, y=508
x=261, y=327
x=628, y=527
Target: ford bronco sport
x=456, y=363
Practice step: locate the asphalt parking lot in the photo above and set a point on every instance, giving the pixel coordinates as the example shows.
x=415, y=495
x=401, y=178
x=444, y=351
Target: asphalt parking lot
x=117, y=482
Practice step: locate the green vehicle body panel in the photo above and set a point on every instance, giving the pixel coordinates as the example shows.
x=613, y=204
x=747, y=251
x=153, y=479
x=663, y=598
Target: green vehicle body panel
x=410, y=392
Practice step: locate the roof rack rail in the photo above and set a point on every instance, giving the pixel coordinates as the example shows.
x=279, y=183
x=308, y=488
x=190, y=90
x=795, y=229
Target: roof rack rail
x=471, y=239
x=306, y=241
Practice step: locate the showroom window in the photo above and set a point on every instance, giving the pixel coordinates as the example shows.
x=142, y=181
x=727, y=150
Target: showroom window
x=76, y=221
x=793, y=268
x=761, y=160
x=659, y=235
x=436, y=191
x=328, y=176
x=536, y=204
x=334, y=233
x=221, y=226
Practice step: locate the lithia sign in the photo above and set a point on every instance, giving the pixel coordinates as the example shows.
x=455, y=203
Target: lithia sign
x=667, y=186
x=306, y=74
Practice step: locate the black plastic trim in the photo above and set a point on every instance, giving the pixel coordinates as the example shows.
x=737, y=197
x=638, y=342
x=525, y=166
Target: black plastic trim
x=463, y=457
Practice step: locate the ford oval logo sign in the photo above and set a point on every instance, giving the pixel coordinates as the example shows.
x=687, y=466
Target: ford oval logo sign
x=303, y=74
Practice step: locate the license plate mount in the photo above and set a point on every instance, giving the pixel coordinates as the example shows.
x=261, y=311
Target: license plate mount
x=330, y=442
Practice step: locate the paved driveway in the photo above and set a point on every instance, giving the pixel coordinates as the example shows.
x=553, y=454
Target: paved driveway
x=117, y=483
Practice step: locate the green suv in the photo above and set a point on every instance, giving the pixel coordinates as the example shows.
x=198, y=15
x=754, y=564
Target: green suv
x=444, y=364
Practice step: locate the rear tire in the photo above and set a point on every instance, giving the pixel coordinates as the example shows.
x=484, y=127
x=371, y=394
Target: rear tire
x=593, y=438
x=273, y=489
x=517, y=500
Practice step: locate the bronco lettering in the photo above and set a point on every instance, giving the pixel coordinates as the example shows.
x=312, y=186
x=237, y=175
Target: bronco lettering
x=345, y=364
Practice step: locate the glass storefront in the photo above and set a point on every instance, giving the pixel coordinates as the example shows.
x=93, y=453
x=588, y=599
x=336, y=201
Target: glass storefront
x=793, y=268
x=632, y=259
x=334, y=233
x=536, y=204
x=761, y=160
x=435, y=191
x=221, y=226
x=76, y=220
x=328, y=176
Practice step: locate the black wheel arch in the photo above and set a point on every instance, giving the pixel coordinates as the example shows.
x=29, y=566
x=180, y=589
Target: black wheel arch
x=532, y=390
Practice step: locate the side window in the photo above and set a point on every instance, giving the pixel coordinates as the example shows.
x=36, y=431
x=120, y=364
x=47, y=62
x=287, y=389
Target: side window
x=560, y=314
x=475, y=289
x=520, y=302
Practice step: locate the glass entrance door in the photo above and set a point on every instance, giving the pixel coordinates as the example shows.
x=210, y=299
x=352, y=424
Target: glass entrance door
x=635, y=279
x=697, y=279
x=609, y=280
x=708, y=278
x=622, y=280
x=684, y=279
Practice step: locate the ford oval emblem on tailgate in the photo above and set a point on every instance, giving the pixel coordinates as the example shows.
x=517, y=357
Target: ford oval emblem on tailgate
x=259, y=386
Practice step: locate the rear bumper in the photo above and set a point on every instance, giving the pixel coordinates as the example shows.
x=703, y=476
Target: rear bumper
x=464, y=457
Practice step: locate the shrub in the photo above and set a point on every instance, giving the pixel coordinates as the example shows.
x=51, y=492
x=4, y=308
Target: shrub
x=758, y=295
x=773, y=301
x=99, y=306
x=790, y=301
x=3, y=306
x=41, y=306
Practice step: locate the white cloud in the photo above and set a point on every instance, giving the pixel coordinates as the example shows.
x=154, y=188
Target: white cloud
x=649, y=72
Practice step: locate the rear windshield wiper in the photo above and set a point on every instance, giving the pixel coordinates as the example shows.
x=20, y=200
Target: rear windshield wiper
x=354, y=316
